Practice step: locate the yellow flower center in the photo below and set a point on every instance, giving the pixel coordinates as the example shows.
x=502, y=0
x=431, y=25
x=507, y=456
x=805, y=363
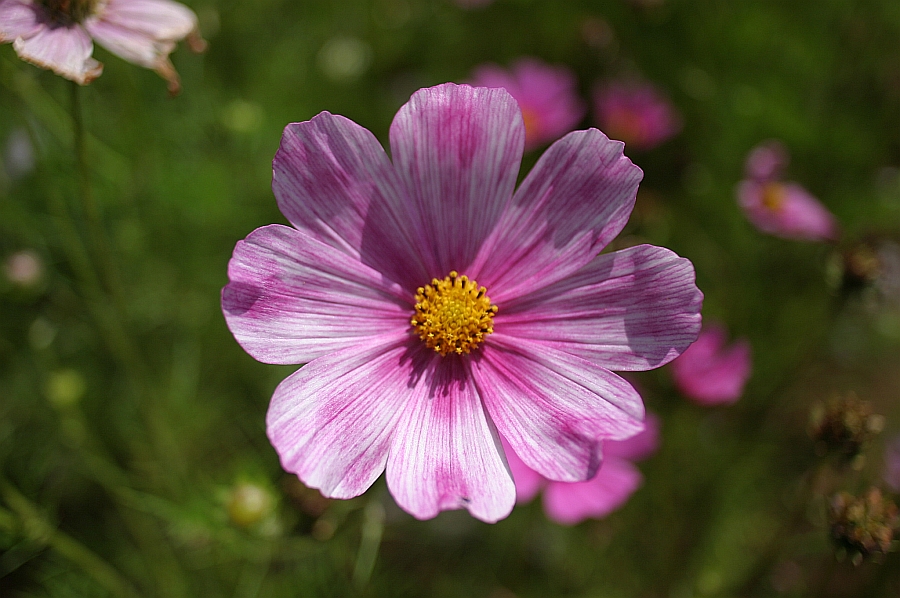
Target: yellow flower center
x=773, y=196
x=453, y=315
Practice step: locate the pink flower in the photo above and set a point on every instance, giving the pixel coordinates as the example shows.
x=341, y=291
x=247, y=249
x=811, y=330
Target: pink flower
x=57, y=34
x=547, y=95
x=636, y=113
x=413, y=367
x=569, y=503
x=779, y=208
x=711, y=373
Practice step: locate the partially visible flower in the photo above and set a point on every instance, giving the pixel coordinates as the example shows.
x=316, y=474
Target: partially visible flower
x=843, y=425
x=892, y=463
x=636, y=113
x=57, y=34
x=783, y=209
x=711, y=373
x=863, y=525
x=569, y=503
x=413, y=368
x=547, y=95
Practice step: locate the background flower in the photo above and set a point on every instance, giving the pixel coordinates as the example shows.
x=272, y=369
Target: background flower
x=711, y=373
x=547, y=95
x=58, y=38
x=569, y=503
x=783, y=209
x=636, y=113
x=339, y=291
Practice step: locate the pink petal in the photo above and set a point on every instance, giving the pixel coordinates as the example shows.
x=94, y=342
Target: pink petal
x=332, y=421
x=162, y=20
x=553, y=408
x=18, y=19
x=528, y=481
x=571, y=503
x=457, y=150
x=634, y=309
x=766, y=161
x=711, y=373
x=573, y=202
x=794, y=214
x=638, y=447
x=446, y=453
x=334, y=181
x=64, y=50
x=133, y=46
x=292, y=299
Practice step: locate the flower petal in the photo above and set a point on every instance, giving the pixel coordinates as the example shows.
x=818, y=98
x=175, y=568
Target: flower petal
x=634, y=309
x=554, y=408
x=710, y=373
x=528, y=481
x=786, y=210
x=64, y=50
x=162, y=20
x=332, y=421
x=18, y=19
x=457, y=149
x=638, y=447
x=446, y=453
x=334, y=181
x=291, y=298
x=575, y=200
x=571, y=503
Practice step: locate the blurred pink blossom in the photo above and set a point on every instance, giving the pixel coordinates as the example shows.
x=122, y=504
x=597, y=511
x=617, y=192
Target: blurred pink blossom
x=569, y=503
x=636, y=113
x=711, y=373
x=783, y=209
x=57, y=34
x=547, y=96
x=892, y=463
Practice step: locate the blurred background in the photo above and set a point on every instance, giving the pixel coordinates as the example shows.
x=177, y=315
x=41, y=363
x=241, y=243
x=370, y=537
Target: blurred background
x=133, y=454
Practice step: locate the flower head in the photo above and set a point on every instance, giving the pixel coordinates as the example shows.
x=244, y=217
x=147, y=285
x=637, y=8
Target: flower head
x=547, y=95
x=57, y=34
x=569, y=503
x=637, y=113
x=783, y=209
x=438, y=307
x=709, y=373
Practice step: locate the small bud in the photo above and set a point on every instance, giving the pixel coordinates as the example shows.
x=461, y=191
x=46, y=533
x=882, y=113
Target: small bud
x=864, y=525
x=843, y=425
x=249, y=504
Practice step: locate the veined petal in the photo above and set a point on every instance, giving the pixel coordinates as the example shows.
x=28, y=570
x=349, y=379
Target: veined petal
x=638, y=447
x=332, y=421
x=64, y=50
x=575, y=200
x=446, y=453
x=162, y=20
x=291, y=298
x=333, y=180
x=134, y=46
x=457, y=150
x=18, y=19
x=634, y=309
x=571, y=503
x=553, y=408
x=528, y=481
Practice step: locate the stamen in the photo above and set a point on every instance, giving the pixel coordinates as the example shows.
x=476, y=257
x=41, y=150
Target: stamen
x=453, y=315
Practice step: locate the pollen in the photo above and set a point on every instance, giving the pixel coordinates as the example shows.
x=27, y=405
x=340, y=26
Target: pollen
x=773, y=196
x=453, y=315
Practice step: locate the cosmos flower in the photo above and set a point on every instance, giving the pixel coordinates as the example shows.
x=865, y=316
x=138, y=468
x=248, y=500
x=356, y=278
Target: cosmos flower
x=413, y=367
x=783, y=209
x=569, y=503
x=710, y=373
x=57, y=34
x=636, y=113
x=547, y=95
